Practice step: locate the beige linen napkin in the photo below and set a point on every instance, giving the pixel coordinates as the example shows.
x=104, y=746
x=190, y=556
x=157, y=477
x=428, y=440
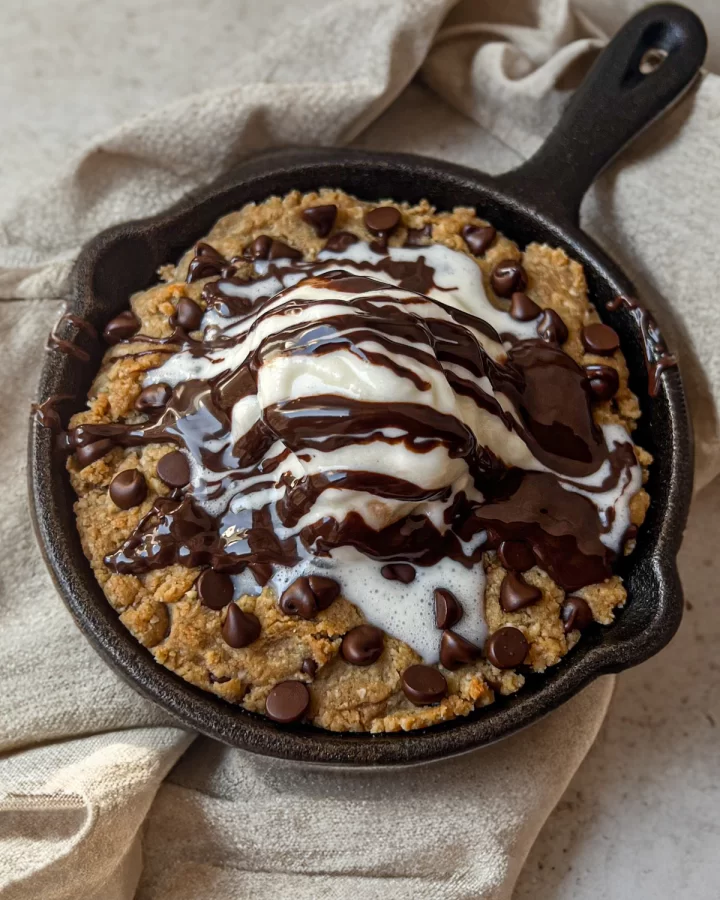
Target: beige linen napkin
x=84, y=811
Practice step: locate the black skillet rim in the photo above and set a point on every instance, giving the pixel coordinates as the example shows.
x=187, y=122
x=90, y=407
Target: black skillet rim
x=652, y=569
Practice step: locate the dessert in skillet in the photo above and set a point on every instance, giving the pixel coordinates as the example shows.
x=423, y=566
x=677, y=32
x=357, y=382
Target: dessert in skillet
x=359, y=465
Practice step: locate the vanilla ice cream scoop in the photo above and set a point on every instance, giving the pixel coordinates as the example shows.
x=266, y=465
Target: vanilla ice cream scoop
x=366, y=410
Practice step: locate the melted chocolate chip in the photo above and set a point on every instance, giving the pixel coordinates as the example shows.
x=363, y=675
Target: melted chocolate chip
x=188, y=314
x=309, y=667
x=339, y=242
x=398, y=572
x=280, y=250
x=600, y=339
x=174, y=469
x=516, y=555
x=206, y=263
x=516, y=593
x=287, y=702
x=261, y=572
x=478, y=238
x=154, y=396
x=455, y=651
x=507, y=647
x=90, y=453
x=259, y=248
x=307, y=595
x=321, y=218
x=382, y=219
x=507, y=277
x=576, y=614
x=128, y=489
x=326, y=590
x=240, y=628
x=448, y=611
x=362, y=645
x=604, y=381
x=551, y=327
x=418, y=237
x=215, y=589
x=218, y=679
x=423, y=685
x=121, y=328
x=522, y=308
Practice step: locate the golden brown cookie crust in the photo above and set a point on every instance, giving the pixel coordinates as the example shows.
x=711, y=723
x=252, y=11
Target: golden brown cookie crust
x=162, y=609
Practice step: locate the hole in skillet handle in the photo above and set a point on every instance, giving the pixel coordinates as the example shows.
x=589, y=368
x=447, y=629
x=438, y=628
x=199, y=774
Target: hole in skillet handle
x=652, y=59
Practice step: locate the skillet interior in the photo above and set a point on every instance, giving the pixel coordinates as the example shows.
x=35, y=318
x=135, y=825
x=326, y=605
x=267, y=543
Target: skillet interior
x=124, y=259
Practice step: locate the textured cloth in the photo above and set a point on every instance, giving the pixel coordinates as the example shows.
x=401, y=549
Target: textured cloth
x=177, y=94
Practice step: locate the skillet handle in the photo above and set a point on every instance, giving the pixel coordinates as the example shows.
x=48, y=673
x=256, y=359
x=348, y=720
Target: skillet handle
x=624, y=91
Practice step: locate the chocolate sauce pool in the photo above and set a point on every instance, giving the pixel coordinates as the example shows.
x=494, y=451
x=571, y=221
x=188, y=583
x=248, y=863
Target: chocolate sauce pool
x=356, y=402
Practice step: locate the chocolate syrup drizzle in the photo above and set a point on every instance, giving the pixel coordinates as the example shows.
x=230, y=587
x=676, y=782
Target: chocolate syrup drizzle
x=55, y=342
x=548, y=390
x=657, y=358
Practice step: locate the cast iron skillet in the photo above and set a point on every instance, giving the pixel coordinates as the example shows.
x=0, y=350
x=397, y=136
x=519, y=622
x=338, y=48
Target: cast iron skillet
x=537, y=202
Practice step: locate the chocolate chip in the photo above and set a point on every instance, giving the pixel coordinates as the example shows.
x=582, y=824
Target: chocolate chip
x=362, y=645
x=299, y=600
x=455, y=651
x=280, y=250
x=516, y=593
x=507, y=647
x=423, y=685
x=418, y=237
x=507, y=277
x=128, y=489
x=448, y=611
x=321, y=218
x=307, y=595
x=261, y=572
x=206, y=263
x=287, y=702
x=478, y=238
x=600, y=339
x=90, y=453
x=154, y=396
x=240, y=628
x=309, y=667
x=259, y=248
x=326, y=590
x=523, y=308
x=576, y=614
x=551, y=327
x=188, y=314
x=398, y=572
x=215, y=589
x=218, y=679
x=174, y=469
x=516, y=555
x=380, y=245
x=339, y=242
x=382, y=219
x=121, y=328
x=604, y=381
